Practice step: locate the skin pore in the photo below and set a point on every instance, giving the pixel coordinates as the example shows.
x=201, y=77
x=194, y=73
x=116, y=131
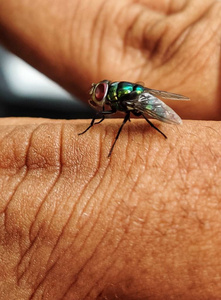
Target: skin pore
x=144, y=224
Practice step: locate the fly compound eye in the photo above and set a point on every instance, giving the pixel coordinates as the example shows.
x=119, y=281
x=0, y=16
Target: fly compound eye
x=100, y=92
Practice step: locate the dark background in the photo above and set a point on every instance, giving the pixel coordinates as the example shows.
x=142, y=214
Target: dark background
x=25, y=92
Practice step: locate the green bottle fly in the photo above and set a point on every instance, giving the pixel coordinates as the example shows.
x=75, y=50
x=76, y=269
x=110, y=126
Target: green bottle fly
x=133, y=98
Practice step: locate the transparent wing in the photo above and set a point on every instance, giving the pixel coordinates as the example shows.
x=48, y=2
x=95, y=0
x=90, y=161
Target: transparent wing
x=154, y=108
x=166, y=95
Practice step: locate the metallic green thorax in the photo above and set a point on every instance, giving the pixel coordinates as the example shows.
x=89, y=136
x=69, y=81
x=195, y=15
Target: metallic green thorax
x=118, y=90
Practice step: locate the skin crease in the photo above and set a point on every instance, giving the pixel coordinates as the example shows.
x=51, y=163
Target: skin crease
x=144, y=224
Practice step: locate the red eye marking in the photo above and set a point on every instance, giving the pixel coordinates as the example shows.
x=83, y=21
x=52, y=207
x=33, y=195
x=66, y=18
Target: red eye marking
x=100, y=91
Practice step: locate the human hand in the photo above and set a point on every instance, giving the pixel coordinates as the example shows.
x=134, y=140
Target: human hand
x=169, y=45
x=76, y=225
x=143, y=224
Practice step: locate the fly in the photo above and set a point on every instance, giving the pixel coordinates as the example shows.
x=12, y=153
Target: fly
x=132, y=98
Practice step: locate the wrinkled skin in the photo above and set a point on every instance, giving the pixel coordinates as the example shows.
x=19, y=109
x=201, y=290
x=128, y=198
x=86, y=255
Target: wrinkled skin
x=167, y=45
x=144, y=224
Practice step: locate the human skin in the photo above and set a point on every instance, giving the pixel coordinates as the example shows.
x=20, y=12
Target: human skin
x=144, y=224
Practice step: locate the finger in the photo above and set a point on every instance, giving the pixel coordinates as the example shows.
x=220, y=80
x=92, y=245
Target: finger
x=177, y=58
x=146, y=216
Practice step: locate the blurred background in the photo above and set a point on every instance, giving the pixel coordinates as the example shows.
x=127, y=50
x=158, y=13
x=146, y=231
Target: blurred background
x=25, y=92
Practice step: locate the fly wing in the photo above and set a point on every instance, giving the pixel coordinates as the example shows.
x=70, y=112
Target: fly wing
x=166, y=95
x=153, y=107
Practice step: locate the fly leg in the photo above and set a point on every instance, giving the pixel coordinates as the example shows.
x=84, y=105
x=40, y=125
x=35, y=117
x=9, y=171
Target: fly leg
x=101, y=120
x=152, y=125
x=127, y=117
x=92, y=123
x=93, y=120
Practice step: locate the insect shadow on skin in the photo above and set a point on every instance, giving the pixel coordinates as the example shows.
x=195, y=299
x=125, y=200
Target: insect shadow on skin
x=132, y=98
